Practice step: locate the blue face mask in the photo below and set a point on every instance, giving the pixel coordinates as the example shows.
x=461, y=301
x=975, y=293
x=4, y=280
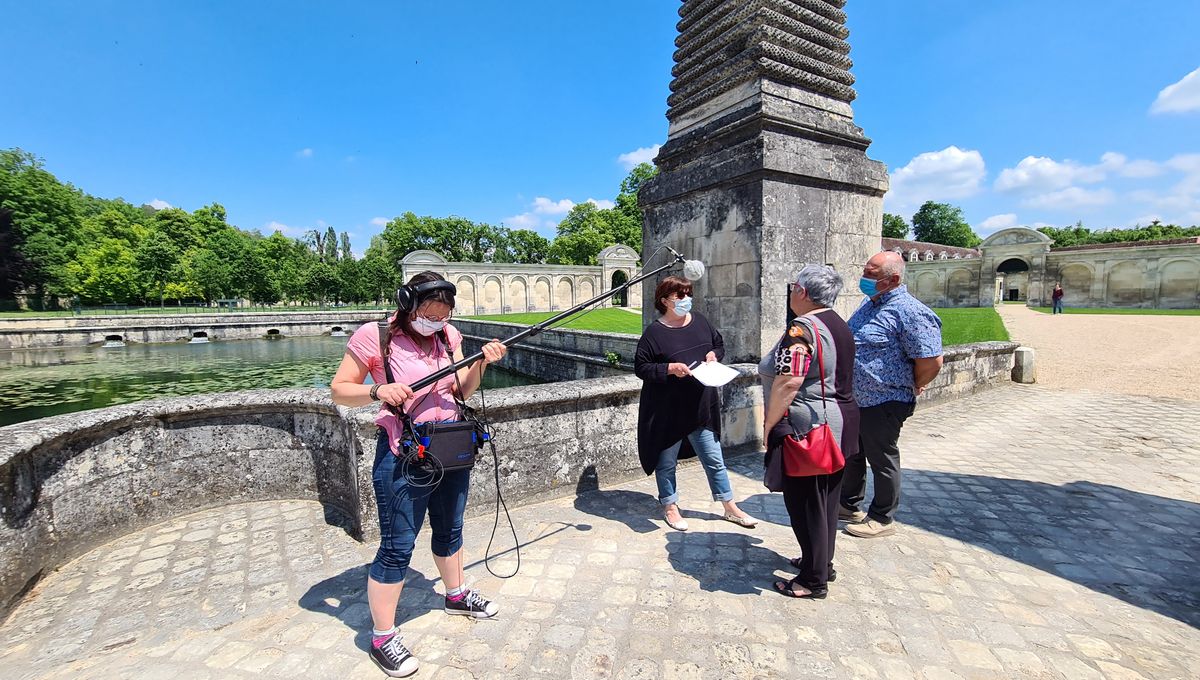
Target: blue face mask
x=682, y=307
x=869, y=287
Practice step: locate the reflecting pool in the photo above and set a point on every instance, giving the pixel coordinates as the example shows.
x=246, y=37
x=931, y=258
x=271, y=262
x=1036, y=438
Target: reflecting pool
x=45, y=382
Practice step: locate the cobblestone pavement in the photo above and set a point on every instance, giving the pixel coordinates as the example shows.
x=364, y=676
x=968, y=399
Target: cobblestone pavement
x=1046, y=534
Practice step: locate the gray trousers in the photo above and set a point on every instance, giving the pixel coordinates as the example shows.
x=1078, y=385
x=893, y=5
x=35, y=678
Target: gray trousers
x=878, y=444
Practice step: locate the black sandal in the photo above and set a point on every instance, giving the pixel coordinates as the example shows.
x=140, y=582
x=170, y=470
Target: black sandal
x=785, y=588
x=795, y=562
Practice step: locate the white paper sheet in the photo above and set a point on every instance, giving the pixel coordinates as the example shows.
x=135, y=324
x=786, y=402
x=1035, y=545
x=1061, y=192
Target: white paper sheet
x=714, y=373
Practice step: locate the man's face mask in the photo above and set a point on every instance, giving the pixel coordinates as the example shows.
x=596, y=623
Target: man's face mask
x=683, y=306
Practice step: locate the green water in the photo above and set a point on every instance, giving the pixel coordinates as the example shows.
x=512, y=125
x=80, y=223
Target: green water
x=46, y=382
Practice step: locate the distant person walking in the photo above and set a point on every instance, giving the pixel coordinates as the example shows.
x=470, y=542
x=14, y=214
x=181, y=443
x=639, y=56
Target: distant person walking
x=898, y=351
x=1057, y=297
x=678, y=416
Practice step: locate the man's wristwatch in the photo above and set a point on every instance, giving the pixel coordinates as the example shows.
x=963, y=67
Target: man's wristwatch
x=375, y=391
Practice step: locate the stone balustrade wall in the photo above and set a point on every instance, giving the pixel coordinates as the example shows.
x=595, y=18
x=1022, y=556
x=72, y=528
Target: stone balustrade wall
x=72, y=482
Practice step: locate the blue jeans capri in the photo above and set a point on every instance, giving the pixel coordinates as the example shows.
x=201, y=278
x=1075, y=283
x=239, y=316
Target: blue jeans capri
x=402, y=510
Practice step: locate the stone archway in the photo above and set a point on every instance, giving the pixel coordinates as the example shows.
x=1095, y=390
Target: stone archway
x=621, y=299
x=1179, y=286
x=1015, y=273
x=518, y=295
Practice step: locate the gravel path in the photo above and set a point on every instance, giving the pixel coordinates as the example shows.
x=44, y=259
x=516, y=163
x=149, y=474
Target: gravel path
x=1149, y=355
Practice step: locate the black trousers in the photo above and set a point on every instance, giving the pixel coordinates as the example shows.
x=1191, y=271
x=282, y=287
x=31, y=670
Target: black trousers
x=878, y=444
x=812, y=505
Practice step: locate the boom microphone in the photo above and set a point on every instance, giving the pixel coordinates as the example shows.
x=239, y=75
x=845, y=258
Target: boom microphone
x=693, y=269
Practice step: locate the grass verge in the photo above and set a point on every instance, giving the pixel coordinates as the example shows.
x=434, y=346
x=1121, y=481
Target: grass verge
x=606, y=320
x=962, y=326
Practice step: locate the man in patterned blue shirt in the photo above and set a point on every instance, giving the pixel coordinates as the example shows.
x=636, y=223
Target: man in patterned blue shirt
x=898, y=351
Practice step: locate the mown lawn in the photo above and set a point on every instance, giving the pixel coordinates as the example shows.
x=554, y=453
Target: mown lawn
x=1121, y=310
x=961, y=326
x=606, y=320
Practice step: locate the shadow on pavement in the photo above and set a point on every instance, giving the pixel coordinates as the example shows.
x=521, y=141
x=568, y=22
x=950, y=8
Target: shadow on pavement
x=344, y=597
x=1136, y=547
x=724, y=562
x=1139, y=548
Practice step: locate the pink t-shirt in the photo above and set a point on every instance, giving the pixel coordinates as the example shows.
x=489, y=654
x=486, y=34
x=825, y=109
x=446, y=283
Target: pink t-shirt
x=409, y=364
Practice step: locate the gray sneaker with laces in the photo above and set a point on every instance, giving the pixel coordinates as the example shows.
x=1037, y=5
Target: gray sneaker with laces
x=472, y=604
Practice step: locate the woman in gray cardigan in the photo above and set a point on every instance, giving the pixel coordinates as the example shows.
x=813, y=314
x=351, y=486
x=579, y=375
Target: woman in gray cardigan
x=796, y=400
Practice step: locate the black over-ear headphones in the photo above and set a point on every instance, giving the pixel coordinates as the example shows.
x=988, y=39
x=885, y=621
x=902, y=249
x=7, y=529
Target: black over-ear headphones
x=408, y=297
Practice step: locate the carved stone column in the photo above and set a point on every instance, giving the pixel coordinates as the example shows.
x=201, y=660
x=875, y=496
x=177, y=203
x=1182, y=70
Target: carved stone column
x=764, y=169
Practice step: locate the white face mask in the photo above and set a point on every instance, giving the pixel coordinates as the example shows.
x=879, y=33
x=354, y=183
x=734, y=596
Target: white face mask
x=426, y=327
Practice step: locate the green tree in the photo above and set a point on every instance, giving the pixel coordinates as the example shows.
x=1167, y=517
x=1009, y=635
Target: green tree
x=528, y=247
x=211, y=274
x=39, y=224
x=178, y=226
x=209, y=220
x=156, y=260
x=320, y=282
x=943, y=223
x=105, y=272
x=894, y=226
x=347, y=252
x=330, y=253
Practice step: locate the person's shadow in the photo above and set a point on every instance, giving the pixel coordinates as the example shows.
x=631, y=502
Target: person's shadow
x=344, y=597
x=727, y=562
x=634, y=509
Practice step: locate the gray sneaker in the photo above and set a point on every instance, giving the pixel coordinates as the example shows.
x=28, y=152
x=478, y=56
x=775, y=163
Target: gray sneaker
x=871, y=529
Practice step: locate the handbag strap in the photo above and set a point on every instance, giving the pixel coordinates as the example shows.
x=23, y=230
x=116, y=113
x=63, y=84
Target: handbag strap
x=820, y=365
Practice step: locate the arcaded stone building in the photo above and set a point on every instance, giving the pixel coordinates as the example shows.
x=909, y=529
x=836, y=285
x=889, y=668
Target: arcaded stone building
x=1018, y=264
x=495, y=288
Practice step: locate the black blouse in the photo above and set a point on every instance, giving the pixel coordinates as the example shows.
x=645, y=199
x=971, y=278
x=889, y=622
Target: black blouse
x=671, y=407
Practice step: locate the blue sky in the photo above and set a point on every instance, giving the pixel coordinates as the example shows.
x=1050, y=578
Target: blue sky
x=303, y=114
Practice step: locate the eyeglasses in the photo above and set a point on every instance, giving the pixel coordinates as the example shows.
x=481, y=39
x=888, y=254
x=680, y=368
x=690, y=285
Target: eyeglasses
x=435, y=318
x=795, y=288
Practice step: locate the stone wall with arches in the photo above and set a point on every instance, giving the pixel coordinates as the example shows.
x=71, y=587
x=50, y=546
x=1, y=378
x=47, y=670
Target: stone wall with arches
x=1018, y=264
x=496, y=288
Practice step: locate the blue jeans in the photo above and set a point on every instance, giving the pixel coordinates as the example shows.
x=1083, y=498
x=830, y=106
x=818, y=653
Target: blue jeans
x=402, y=512
x=1057, y=307
x=708, y=450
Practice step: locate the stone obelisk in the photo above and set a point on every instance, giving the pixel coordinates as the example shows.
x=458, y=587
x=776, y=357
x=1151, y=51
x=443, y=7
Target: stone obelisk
x=764, y=169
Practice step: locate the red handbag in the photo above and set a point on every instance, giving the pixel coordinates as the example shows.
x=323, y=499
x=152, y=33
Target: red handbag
x=818, y=451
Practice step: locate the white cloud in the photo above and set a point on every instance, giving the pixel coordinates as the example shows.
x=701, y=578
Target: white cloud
x=634, y=158
x=525, y=220
x=1179, y=97
x=159, y=204
x=273, y=226
x=997, y=222
x=603, y=204
x=545, y=206
x=1071, y=197
x=379, y=221
x=936, y=175
x=1042, y=174
x=304, y=153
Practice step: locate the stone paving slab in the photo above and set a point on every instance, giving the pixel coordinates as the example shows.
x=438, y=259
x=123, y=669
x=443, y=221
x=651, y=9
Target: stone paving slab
x=1046, y=535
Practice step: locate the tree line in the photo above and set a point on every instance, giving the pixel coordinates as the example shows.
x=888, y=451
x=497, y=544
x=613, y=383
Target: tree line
x=944, y=223
x=59, y=243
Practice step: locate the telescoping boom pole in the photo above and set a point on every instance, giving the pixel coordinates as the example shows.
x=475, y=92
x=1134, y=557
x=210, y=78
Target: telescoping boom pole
x=539, y=327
